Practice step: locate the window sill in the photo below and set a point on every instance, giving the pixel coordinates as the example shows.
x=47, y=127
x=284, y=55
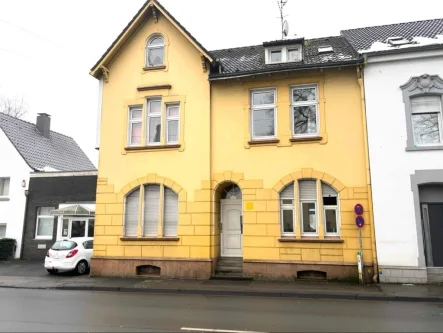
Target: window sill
x=5, y=198
x=310, y=240
x=157, y=147
x=424, y=148
x=158, y=239
x=306, y=138
x=153, y=68
x=263, y=142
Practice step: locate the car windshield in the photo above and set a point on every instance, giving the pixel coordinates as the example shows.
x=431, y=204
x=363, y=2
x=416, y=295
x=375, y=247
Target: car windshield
x=64, y=245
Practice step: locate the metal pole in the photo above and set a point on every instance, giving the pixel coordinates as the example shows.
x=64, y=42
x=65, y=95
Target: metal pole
x=361, y=273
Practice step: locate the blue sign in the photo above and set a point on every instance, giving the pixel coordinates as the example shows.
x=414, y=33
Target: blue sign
x=360, y=221
x=358, y=209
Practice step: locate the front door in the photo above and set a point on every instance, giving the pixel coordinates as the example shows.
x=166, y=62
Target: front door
x=433, y=225
x=231, y=228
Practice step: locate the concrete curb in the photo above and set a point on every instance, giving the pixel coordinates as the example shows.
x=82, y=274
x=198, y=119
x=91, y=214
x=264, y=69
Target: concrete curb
x=306, y=295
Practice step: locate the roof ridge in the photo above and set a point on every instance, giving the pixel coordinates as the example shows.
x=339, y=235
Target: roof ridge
x=392, y=24
x=237, y=47
x=28, y=122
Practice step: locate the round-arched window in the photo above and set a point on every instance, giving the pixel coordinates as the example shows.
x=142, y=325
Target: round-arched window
x=155, y=51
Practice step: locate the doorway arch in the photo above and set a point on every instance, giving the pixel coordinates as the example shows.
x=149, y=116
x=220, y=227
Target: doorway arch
x=229, y=207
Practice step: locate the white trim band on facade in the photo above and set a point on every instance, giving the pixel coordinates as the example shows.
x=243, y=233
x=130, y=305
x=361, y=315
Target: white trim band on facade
x=63, y=174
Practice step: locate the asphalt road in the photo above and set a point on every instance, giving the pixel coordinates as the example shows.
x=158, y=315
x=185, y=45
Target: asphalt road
x=80, y=311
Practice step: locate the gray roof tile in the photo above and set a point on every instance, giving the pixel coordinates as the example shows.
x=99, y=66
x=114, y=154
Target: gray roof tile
x=251, y=59
x=59, y=152
x=363, y=38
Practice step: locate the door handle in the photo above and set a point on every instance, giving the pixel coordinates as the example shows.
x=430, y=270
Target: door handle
x=241, y=224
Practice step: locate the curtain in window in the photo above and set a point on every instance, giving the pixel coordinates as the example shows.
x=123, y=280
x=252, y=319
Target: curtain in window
x=131, y=213
x=151, y=210
x=170, y=219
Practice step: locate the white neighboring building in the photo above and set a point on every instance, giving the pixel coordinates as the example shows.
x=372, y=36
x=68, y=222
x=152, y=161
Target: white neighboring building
x=27, y=148
x=403, y=77
x=14, y=180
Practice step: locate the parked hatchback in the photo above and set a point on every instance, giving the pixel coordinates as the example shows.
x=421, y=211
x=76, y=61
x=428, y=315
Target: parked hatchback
x=72, y=254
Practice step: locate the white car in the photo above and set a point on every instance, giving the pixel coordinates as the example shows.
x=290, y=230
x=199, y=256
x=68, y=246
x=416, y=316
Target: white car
x=73, y=254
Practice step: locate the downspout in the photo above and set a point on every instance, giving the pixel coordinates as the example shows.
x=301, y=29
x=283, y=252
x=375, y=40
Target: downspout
x=22, y=245
x=360, y=79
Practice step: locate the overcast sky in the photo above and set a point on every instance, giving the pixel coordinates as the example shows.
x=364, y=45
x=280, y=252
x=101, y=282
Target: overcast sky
x=48, y=46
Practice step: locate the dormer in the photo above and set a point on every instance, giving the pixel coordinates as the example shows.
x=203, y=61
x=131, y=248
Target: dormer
x=283, y=51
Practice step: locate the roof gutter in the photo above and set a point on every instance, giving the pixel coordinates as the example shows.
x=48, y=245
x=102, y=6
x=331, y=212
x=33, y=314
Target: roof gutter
x=275, y=71
x=403, y=50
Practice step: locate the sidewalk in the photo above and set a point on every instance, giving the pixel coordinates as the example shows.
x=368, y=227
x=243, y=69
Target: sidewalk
x=317, y=290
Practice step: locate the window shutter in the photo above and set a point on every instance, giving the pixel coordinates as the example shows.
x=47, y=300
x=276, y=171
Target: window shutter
x=131, y=213
x=288, y=192
x=308, y=189
x=327, y=191
x=151, y=210
x=426, y=104
x=171, y=213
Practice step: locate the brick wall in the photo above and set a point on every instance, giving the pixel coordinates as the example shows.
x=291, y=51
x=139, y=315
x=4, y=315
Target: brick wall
x=50, y=192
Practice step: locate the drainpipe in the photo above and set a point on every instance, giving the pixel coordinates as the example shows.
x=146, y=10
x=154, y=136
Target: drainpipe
x=24, y=224
x=360, y=79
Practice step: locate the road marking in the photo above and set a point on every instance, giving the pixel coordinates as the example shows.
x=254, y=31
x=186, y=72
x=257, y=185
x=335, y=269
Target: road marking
x=215, y=330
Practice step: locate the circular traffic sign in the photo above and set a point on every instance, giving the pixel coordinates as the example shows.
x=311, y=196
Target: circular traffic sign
x=358, y=209
x=360, y=221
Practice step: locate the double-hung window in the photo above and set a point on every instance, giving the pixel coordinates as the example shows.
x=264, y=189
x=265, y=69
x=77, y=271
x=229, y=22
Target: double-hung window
x=287, y=210
x=154, y=121
x=308, y=206
x=426, y=114
x=135, y=125
x=305, y=120
x=4, y=186
x=263, y=114
x=172, y=123
x=330, y=211
x=45, y=223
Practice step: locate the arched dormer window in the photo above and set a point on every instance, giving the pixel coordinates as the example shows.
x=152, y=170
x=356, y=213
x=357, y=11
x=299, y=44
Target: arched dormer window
x=155, y=51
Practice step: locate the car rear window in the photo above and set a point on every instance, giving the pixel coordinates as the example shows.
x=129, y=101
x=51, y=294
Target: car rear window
x=64, y=245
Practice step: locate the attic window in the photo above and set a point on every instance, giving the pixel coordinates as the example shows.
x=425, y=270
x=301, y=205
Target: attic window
x=396, y=41
x=325, y=49
x=290, y=53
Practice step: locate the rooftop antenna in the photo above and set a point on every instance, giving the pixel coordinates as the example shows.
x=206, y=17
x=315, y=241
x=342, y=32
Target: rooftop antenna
x=284, y=24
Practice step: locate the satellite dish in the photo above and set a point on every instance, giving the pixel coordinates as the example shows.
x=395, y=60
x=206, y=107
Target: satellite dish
x=285, y=28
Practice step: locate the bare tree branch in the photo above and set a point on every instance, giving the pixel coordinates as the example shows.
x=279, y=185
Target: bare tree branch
x=14, y=107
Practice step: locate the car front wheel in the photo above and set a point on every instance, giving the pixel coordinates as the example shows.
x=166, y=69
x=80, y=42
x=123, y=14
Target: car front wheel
x=81, y=267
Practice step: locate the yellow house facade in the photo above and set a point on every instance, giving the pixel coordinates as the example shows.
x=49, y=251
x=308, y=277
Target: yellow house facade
x=244, y=161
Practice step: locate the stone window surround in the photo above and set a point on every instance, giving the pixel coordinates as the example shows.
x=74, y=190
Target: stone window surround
x=419, y=86
x=422, y=177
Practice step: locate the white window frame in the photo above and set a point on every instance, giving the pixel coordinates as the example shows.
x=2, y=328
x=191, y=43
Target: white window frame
x=134, y=121
x=263, y=107
x=151, y=47
x=149, y=116
x=440, y=124
x=6, y=228
x=316, y=218
x=291, y=48
x=276, y=49
x=3, y=180
x=284, y=53
x=37, y=223
x=287, y=207
x=169, y=118
x=307, y=103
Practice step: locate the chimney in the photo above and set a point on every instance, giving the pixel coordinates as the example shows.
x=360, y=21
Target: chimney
x=44, y=124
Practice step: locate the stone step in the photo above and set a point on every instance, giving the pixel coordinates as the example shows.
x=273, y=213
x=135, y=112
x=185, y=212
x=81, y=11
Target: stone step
x=229, y=269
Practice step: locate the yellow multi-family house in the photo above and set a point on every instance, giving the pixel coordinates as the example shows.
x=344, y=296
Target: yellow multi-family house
x=245, y=161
